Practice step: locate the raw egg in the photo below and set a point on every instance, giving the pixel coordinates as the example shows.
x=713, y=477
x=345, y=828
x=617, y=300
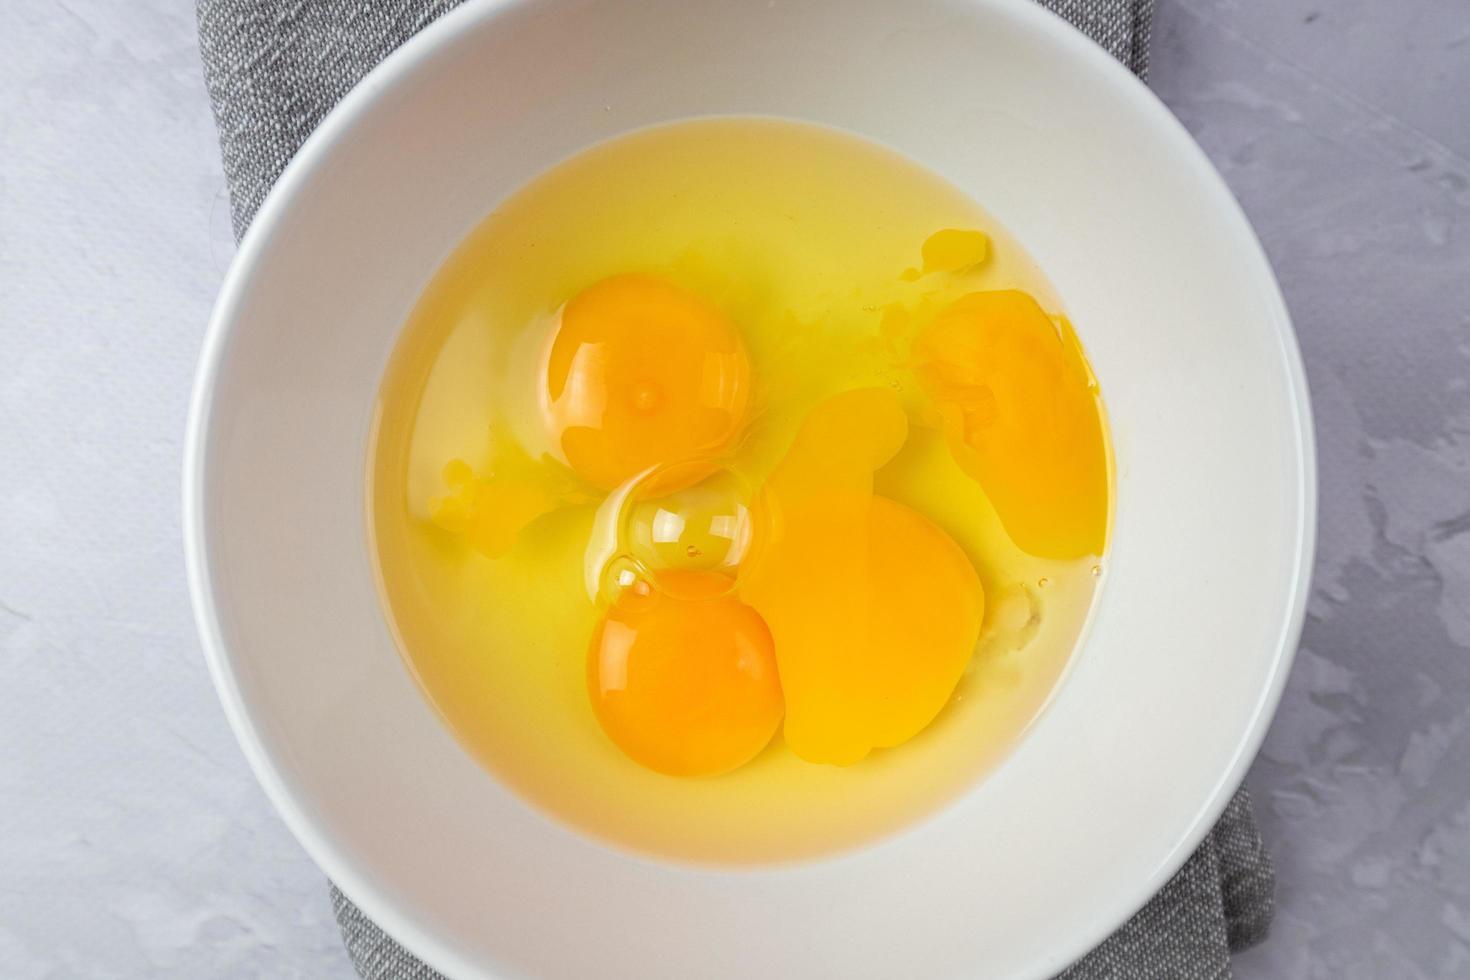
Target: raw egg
x=875, y=611
x=687, y=685
x=1022, y=417
x=714, y=482
x=642, y=372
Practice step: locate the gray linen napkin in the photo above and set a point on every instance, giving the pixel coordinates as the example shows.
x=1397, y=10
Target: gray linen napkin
x=275, y=67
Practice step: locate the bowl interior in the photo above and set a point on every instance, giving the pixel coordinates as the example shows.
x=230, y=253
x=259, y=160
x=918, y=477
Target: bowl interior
x=1206, y=576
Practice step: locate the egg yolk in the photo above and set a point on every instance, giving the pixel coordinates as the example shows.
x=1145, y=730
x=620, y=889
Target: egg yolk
x=1021, y=415
x=950, y=250
x=686, y=686
x=642, y=372
x=490, y=512
x=874, y=610
x=955, y=249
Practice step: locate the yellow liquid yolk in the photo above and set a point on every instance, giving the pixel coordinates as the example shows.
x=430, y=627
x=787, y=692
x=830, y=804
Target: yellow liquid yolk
x=489, y=512
x=642, y=373
x=685, y=685
x=954, y=249
x=1021, y=415
x=875, y=611
x=950, y=250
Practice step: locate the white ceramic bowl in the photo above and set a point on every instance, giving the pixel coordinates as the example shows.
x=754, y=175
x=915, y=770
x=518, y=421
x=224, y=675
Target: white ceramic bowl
x=1189, y=646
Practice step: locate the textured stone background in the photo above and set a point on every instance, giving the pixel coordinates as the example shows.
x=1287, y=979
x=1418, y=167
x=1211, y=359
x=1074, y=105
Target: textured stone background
x=134, y=842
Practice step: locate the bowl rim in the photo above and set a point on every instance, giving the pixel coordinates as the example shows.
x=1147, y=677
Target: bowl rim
x=401, y=923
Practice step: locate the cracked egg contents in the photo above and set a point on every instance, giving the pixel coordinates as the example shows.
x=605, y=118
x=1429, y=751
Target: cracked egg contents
x=737, y=491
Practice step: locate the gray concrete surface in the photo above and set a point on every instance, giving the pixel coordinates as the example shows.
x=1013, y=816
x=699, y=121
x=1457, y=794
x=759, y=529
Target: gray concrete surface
x=134, y=842
x=1344, y=128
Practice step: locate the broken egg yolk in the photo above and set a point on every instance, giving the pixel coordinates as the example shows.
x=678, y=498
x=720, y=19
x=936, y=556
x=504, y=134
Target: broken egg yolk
x=955, y=249
x=642, y=372
x=950, y=250
x=685, y=684
x=489, y=512
x=1022, y=418
x=874, y=610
